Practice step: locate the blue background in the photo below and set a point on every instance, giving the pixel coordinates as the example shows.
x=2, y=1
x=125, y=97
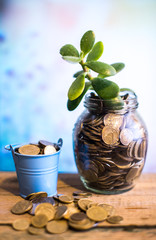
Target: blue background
x=34, y=79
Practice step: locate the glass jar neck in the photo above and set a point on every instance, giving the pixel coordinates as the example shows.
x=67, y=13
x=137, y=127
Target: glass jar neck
x=125, y=102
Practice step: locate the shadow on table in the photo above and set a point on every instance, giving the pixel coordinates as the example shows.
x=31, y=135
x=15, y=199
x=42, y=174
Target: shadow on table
x=10, y=184
x=73, y=180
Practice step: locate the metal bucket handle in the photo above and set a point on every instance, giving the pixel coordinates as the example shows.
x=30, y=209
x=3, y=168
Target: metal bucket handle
x=10, y=148
x=60, y=142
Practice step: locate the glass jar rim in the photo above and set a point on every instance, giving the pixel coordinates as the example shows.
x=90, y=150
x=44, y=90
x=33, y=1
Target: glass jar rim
x=125, y=102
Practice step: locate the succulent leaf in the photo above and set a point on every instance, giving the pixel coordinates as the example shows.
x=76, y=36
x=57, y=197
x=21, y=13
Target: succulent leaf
x=102, y=68
x=72, y=59
x=78, y=73
x=104, y=88
x=96, y=52
x=71, y=105
x=87, y=42
x=77, y=87
x=118, y=66
x=69, y=50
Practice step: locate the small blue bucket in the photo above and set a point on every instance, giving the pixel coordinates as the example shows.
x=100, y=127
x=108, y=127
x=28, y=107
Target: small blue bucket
x=36, y=173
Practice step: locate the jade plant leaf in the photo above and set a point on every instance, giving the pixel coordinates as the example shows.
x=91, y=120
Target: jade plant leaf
x=71, y=105
x=87, y=42
x=102, y=68
x=96, y=52
x=118, y=66
x=77, y=87
x=69, y=50
x=104, y=88
x=72, y=59
x=78, y=73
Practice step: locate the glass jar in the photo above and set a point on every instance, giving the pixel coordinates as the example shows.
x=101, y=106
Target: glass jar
x=110, y=143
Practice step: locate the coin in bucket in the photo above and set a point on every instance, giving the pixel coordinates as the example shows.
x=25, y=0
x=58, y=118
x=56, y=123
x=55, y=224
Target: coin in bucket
x=37, y=166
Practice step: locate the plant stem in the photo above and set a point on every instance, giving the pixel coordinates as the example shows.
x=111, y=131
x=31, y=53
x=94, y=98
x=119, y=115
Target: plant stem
x=86, y=70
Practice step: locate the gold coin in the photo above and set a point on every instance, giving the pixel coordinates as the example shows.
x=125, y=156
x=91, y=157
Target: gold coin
x=21, y=207
x=71, y=210
x=83, y=203
x=77, y=198
x=29, y=149
x=87, y=224
x=66, y=199
x=82, y=193
x=46, y=209
x=60, y=212
x=114, y=219
x=110, y=135
x=39, y=220
x=31, y=196
x=35, y=231
x=115, y=120
x=109, y=209
x=78, y=218
x=56, y=197
x=57, y=226
x=49, y=149
x=92, y=204
x=97, y=213
x=20, y=224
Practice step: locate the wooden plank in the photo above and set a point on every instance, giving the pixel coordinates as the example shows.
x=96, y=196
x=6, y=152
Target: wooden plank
x=8, y=233
x=137, y=206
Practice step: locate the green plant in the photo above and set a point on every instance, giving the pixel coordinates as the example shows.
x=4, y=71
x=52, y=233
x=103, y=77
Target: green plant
x=83, y=80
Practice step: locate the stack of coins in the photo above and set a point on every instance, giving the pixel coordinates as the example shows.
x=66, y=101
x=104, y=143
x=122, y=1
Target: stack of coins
x=42, y=147
x=64, y=212
x=110, y=149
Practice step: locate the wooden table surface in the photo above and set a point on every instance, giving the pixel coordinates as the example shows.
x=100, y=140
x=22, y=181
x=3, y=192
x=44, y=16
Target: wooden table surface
x=138, y=208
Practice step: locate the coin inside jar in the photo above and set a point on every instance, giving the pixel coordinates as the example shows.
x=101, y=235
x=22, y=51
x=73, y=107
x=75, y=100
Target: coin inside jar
x=110, y=135
x=115, y=120
x=126, y=136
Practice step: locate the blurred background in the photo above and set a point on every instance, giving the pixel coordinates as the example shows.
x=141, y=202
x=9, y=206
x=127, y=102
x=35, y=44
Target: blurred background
x=34, y=79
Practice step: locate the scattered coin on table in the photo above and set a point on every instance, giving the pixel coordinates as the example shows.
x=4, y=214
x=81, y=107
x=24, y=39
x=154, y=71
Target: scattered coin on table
x=20, y=224
x=63, y=212
x=21, y=207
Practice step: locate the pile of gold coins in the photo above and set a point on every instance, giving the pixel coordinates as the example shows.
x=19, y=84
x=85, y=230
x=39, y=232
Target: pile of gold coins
x=110, y=148
x=42, y=147
x=58, y=213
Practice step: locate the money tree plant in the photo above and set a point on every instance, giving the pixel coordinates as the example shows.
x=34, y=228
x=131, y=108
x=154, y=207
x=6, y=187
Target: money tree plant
x=88, y=57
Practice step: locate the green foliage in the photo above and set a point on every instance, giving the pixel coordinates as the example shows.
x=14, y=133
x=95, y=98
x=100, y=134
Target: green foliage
x=96, y=52
x=87, y=58
x=118, y=66
x=71, y=105
x=104, y=88
x=87, y=42
x=102, y=68
x=72, y=59
x=69, y=50
x=77, y=87
x=78, y=73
